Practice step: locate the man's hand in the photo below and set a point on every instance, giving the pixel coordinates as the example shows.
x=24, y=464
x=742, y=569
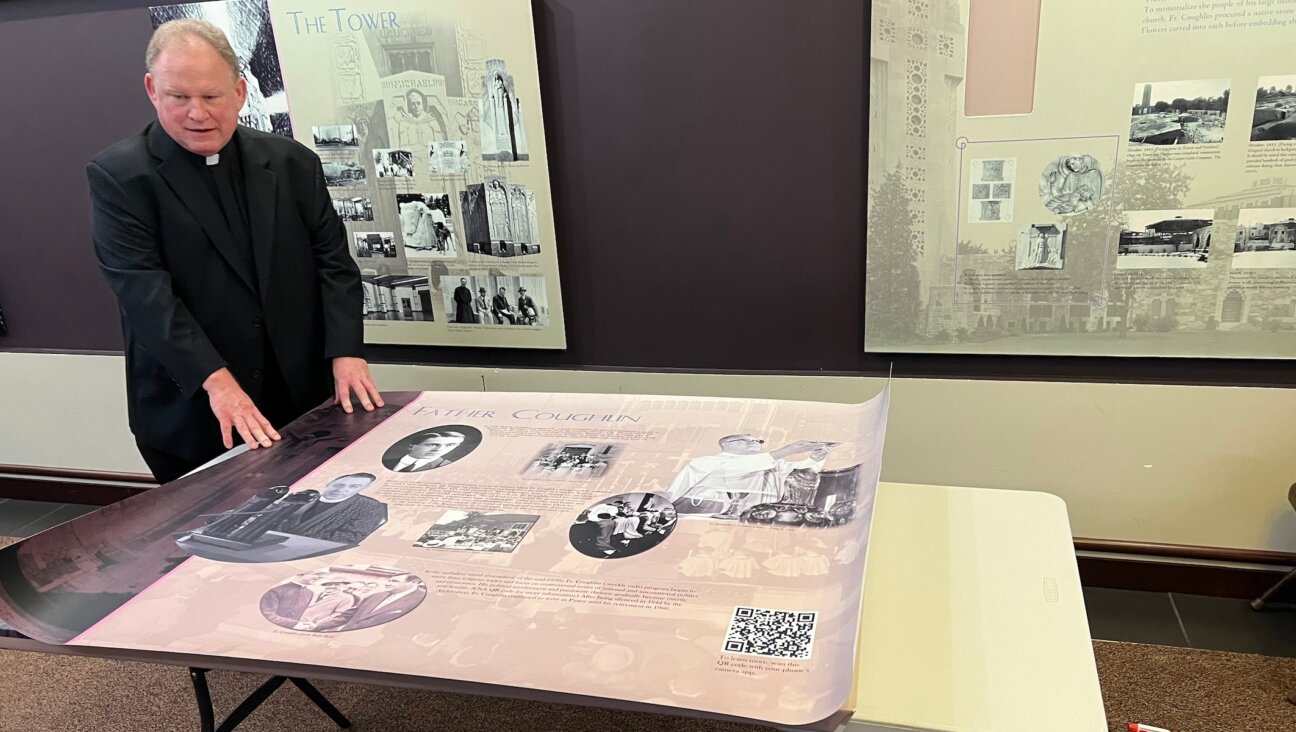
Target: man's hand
x=352, y=374
x=235, y=411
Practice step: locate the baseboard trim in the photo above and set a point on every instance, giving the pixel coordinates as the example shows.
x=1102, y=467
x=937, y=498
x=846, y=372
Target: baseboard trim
x=1183, y=578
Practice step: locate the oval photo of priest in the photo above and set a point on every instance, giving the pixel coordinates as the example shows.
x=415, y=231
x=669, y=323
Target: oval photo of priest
x=623, y=526
x=342, y=597
x=435, y=447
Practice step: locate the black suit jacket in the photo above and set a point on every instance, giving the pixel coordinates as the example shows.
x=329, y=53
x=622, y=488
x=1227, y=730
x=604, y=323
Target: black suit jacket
x=189, y=301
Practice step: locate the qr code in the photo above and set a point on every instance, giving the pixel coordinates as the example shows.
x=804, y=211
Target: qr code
x=773, y=633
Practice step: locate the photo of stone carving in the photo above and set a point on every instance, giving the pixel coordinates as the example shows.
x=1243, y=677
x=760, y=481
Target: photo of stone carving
x=1071, y=184
x=980, y=191
x=990, y=190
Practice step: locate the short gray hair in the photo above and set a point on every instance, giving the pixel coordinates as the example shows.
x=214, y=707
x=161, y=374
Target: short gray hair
x=173, y=31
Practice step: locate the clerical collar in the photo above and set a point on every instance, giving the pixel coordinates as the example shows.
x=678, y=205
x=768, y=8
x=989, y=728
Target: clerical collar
x=213, y=159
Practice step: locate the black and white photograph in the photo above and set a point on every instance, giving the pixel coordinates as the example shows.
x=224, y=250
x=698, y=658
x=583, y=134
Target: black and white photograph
x=1041, y=246
x=990, y=195
x=342, y=597
x=623, y=525
x=427, y=228
x=435, y=447
x=503, y=135
x=247, y=25
x=343, y=173
x=1179, y=112
x=500, y=218
x=575, y=460
x=477, y=531
x=1266, y=239
x=496, y=300
x=356, y=208
x=391, y=163
x=278, y=526
x=417, y=117
x=747, y=480
x=335, y=136
x=395, y=296
x=374, y=244
x=1274, y=118
x=448, y=157
x=1072, y=184
x=1176, y=239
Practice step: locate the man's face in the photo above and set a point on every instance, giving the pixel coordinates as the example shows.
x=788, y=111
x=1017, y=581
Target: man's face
x=435, y=446
x=341, y=489
x=415, y=105
x=501, y=291
x=742, y=445
x=463, y=282
x=196, y=95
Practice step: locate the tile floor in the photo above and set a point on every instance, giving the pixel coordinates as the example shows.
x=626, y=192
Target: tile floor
x=1172, y=619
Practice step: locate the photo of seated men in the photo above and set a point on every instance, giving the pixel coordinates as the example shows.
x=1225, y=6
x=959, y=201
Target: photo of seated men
x=572, y=460
x=342, y=598
x=431, y=448
x=623, y=526
x=477, y=531
x=741, y=475
x=278, y=526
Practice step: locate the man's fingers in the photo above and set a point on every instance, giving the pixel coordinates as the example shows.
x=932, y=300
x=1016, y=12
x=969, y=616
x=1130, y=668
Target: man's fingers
x=373, y=391
x=362, y=393
x=267, y=427
x=227, y=439
x=240, y=424
x=344, y=398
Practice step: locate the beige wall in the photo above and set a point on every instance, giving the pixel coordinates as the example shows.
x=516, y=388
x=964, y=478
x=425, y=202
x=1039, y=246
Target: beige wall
x=1175, y=464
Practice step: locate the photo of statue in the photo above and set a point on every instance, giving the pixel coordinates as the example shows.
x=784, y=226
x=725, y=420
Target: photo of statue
x=1071, y=184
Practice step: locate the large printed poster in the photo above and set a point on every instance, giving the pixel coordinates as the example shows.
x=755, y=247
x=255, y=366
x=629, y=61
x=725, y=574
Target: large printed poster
x=687, y=553
x=427, y=119
x=1144, y=205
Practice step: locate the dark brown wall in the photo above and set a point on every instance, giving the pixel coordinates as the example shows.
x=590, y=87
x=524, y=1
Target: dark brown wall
x=707, y=161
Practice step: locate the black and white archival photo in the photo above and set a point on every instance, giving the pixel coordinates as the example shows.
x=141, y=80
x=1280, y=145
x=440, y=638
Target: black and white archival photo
x=1275, y=109
x=1071, y=184
x=1179, y=112
x=395, y=296
x=1266, y=239
x=448, y=157
x=1178, y=239
x=391, y=163
x=500, y=218
x=335, y=136
x=572, y=460
x=477, y=531
x=374, y=244
x=356, y=208
x=427, y=228
x=278, y=526
x=503, y=136
x=247, y=25
x=1041, y=246
x=435, y=447
x=343, y=173
x=623, y=525
x=496, y=300
x=342, y=597
x=990, y=195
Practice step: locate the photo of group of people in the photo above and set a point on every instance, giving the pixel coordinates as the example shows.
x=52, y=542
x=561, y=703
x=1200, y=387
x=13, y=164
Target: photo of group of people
x=278, y=526
x=623, y=525
x=427, y=225
x=431, y=448
x=374, y=244
x=496, y=300
x=1179, y=112
x=341, y=598
x=572, y=460
x=477, y=531
x=393, y=163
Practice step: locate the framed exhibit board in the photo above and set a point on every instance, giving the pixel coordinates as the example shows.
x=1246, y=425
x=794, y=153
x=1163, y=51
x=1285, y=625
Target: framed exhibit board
x=1108, y=178
x=703, y=554
x=428, y=122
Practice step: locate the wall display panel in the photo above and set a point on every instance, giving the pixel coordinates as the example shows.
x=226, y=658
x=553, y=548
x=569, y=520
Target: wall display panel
x=1140, y=199
x=427, y=119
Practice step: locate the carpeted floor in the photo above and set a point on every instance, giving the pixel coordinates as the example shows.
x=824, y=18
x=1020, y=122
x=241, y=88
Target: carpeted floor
x=1183, y=690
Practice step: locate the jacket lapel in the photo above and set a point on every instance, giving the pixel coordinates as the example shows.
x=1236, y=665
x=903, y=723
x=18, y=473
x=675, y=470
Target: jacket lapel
x=260, y=185
x=186, y=182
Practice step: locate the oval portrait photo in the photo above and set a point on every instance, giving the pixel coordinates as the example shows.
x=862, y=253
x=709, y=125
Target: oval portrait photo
x=623, y=525
x=342, y=597
x=431, y=448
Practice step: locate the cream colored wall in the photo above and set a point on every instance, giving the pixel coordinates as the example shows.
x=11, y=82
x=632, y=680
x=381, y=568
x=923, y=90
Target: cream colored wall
x=1174, y=464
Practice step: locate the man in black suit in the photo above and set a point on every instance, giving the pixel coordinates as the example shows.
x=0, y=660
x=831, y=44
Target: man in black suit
x=241, y=307
x=463, y=300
